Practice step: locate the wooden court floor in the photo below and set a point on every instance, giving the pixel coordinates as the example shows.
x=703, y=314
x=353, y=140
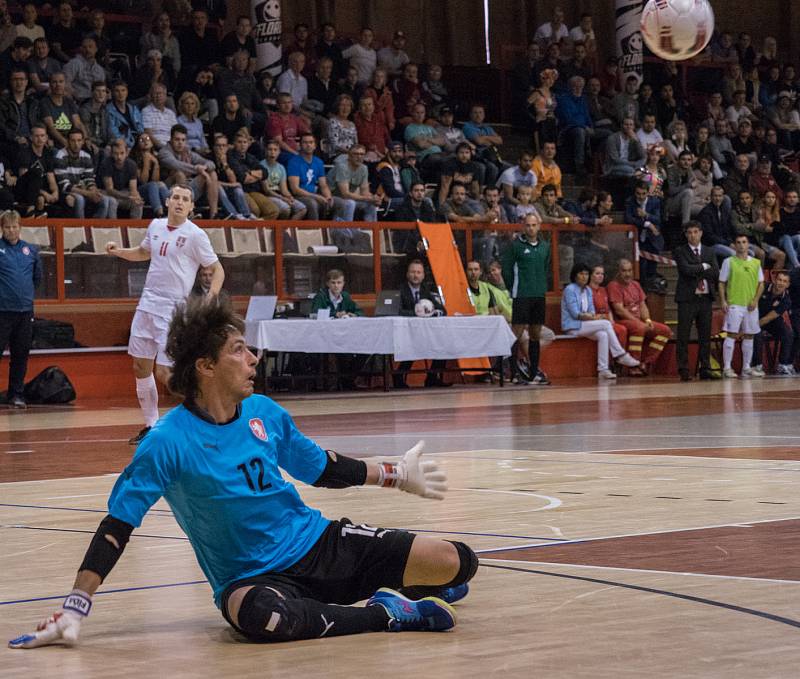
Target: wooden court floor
x=645, y=529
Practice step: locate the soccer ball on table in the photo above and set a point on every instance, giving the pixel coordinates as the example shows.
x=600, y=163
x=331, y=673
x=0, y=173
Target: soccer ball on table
x=424, y=308
x=677, y=29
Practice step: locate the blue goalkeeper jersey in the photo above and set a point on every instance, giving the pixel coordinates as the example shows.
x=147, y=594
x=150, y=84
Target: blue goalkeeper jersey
x=225, y=488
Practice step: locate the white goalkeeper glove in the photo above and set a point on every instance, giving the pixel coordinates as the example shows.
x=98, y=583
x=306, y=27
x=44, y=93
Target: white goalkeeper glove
x=421, y=477
x=64, y=625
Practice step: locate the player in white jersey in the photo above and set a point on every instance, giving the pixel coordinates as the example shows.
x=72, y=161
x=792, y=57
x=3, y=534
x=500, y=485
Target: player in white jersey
x=176, y=248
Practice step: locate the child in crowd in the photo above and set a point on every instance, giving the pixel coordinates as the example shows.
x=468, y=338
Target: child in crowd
x=525, y=205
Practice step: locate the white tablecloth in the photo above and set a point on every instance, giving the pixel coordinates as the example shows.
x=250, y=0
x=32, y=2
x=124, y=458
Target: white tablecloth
x=407, y=339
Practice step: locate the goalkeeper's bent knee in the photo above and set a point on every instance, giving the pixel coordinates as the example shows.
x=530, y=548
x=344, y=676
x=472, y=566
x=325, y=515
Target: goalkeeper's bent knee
x=468, y=564
x=264, y=616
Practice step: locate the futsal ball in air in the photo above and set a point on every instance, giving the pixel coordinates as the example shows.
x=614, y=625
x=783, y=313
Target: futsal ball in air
x=677, y=29
x=424, y=308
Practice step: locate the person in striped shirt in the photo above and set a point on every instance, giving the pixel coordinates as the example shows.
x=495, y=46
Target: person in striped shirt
x=77, y=185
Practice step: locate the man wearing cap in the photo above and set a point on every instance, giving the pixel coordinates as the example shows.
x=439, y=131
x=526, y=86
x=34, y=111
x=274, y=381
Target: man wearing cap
x=453, y=135
x=393, y=57
x=390, y=181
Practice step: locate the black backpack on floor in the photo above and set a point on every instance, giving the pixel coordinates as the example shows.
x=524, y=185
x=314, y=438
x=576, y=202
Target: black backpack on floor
x=50, y=386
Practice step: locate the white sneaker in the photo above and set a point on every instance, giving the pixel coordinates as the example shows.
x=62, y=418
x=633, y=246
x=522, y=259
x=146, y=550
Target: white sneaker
x=757, y=371
x=729, y=373
x=606, y=375
x=747, y=373
x=785, y=370
x=627, y=360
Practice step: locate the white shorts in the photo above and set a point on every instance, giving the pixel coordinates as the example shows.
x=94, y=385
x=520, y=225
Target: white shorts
x=739, y=319
x=149, y=337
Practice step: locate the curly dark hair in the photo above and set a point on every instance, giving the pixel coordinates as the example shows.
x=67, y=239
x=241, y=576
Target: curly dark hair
x=199, y=329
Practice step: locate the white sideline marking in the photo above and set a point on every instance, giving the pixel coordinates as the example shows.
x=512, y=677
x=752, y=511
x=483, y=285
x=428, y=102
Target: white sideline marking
x=748, y=524
x=645, y=570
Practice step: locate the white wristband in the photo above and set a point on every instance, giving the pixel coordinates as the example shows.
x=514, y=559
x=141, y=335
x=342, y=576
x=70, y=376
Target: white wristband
x=79, y=602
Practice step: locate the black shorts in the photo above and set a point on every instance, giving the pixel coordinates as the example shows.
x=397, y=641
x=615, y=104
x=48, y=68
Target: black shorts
x=348, y=563
x=528, y=311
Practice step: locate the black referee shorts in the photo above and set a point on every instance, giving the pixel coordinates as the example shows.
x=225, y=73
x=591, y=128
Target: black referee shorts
x=528, y=311
x=348, y=563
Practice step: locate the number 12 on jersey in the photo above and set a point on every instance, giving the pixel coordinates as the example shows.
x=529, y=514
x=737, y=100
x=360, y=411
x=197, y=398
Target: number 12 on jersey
x=255, y=464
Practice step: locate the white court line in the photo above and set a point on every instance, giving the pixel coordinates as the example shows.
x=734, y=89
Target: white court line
x=70, y=497
x=465, y=454
x=28, y=551
x=17, y=452
x=66, y=478
x=552, y=502
x=645, y=570
x=574, y=435
x=741, y=524
x=73, y=440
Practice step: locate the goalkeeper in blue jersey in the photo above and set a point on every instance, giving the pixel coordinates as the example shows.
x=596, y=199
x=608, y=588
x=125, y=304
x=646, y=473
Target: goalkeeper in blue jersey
x=279, y=569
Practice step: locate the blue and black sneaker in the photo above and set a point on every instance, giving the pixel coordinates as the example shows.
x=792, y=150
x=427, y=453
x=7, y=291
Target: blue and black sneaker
x=406, y=615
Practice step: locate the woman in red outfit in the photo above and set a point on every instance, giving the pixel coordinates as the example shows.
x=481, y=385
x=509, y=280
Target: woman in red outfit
x=601, y=305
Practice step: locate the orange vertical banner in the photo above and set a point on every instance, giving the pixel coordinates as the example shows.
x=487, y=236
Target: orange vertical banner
x=448, y=271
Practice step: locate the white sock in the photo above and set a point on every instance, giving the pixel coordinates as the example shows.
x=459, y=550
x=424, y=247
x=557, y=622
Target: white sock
x=747, y=352
x=147, y=393
x=727, y=352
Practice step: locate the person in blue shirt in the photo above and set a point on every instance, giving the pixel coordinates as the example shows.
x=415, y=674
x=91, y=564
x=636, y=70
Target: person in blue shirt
x=20, y=273
x=279, y=569
x=575, y=121
x=772, y=305
x=307, y=182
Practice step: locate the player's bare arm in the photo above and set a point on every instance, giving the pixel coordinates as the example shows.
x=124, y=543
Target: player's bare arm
x=217, y=280
x=137, y=254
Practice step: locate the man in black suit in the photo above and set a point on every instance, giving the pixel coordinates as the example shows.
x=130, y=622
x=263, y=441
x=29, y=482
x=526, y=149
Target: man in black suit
x=697, y=277
x=415, y=290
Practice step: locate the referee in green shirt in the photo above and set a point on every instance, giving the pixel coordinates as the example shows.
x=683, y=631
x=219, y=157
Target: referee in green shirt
x=525, y=267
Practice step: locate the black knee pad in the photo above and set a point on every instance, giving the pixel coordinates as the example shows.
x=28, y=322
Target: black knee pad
x=468, y=564
x=263, y=616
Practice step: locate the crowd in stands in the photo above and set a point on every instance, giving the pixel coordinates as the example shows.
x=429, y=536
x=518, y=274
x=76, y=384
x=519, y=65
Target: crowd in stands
x=354, y=130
